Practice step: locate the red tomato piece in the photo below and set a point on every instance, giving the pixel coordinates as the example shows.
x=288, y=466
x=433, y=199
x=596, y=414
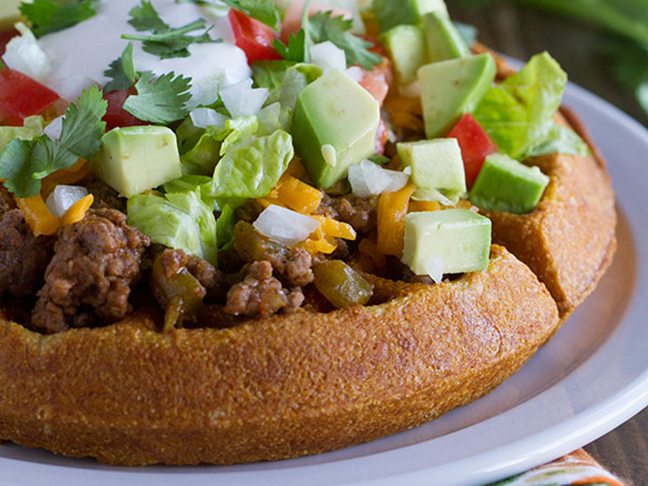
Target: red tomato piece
x=382, y=135
x=22, y=96
x=254, y=37
x=475, y=146
x=116, y=116
x=5, y=37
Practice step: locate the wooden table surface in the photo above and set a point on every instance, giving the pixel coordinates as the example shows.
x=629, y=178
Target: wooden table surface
x=521, y=32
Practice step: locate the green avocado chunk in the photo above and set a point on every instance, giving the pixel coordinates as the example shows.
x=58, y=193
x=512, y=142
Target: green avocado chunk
x=406, y=47
x=443, y=39
x=437, y=169
x=390, y=13
x=449, y=89
x=334, y=126
x=135, y=159
x=32, y=128
x=507, y=185
x=448, y=241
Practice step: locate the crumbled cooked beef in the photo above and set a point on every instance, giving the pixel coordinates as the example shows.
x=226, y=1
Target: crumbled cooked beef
x=292, y=266
x=249, y=212
x=105, y=197
x=23, y=257
x=213, y=280
x=258, y=295
x=6, y=201
x=95, y=263
x=358, y=212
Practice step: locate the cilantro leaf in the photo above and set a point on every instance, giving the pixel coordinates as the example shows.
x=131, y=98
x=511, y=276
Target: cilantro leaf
x=122, y=72
x=47, y=16
x=159, y=100
x=164, y=41
x=324, y=27
x=82, y=126
x=296, y=50
x=25, y=162
x=262, y=10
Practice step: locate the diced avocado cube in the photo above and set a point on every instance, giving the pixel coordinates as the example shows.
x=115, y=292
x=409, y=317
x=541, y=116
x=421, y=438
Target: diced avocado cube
x=33, y=127
x=334, y=126
x=449, y=89
x=135, y=159
x=390, y=13
x=504, y=184
x=443, y=40
x=448, y=241
x=407, y=50
x=437, y=168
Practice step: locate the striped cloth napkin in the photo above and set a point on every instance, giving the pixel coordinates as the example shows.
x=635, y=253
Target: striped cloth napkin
x=577, y=468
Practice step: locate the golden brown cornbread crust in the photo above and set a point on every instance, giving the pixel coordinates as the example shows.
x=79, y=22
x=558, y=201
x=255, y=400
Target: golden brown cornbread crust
x=570, y=238
x=281, y=387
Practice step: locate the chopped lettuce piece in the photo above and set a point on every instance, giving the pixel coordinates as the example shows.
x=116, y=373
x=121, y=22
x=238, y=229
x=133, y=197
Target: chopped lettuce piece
x=179, y=220
x=253, y=168
x=519, y=113
x=272, y=118
x=236, y=131
x=225, y=226
x=561, y=140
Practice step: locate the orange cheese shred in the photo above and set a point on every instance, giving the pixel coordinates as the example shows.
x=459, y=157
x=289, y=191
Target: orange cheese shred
x=77, y=211
x=335, y=229
x=392, y=208
x=298, y=195
x=423, y=206
x=38, y=216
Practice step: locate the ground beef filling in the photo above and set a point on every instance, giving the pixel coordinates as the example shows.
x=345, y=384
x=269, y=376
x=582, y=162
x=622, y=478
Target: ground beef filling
x=95, y=263
x=23, y=257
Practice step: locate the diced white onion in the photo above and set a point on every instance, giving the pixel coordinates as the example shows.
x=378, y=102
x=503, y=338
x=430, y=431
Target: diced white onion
x=71, y=88
x=241, y=100
x=435, y=266
x=53, y=130
x=328, y=56
x=285, y=226
x=63, y=198
x=24, y=54
x=369, y=179
x=329, y=155
x=204, y=91
x=356, y=73
x=206, y=117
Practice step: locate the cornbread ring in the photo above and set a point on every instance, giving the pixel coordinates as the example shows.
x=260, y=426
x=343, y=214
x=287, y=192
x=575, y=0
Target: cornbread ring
x=282, y=387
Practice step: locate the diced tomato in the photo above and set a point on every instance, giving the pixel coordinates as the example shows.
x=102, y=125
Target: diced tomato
x=382, y=135
x=22, y=96
x=116, y=116
x=5, y=37
x=475, y=146
x=254, y=37
x=292, y=20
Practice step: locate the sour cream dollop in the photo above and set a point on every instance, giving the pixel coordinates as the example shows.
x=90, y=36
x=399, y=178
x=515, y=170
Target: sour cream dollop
x=80, y=54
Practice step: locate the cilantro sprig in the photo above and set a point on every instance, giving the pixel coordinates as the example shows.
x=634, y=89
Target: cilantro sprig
x=323, y=26
x=24, y=163
x=47, y=16
x=165, y=41
x=262, y=10
x=158, y=100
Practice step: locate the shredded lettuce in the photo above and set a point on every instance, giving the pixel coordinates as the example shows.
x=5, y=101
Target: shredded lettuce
x=179, y=220
x=253, y=168
x=519, y=113
x=561, y=140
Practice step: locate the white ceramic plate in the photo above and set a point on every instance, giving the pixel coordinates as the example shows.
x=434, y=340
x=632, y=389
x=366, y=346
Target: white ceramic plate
x=588, y=380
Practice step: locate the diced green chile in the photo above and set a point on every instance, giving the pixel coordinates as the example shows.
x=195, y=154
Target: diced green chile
x=341, y=285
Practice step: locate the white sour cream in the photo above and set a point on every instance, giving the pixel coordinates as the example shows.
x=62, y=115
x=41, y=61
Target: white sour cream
x=82, y=53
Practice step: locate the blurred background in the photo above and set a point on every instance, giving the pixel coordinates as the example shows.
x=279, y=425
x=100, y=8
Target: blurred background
x=602, y=44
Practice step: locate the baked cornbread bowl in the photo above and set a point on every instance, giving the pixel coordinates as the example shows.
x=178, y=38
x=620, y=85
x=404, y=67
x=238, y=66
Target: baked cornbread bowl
x=282, y=387
x=272, y=370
